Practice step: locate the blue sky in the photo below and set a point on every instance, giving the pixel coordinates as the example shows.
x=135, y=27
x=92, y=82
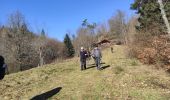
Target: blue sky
x=60, y=16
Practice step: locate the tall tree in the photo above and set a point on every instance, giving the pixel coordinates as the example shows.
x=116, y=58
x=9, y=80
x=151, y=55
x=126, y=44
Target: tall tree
x=87, y=34
x=24, y=29
x=150, y=18
x=16, y=20
x=19, y=39
x=164, y=16
x=43, y=33
x=117, y=26
x=90, y=27
x=69, y=49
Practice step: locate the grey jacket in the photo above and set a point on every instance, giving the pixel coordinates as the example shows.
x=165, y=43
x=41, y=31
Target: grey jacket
x=96, y=53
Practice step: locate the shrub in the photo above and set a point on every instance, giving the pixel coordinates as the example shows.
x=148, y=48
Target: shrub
x=151, y=50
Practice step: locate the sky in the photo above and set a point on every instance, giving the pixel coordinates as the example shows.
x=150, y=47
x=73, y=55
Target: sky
x=57, y=17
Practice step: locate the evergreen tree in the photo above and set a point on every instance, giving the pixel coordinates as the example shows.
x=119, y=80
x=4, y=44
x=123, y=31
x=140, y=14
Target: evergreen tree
x=24, y=29
x=43, y=33
x=69, y=49
x=150, y=18
x=90, y=27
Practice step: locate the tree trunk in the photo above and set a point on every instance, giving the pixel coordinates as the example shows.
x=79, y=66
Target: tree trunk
x=41, y=57
x=164, y=16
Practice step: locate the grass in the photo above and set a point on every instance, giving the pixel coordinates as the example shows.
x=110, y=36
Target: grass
x=123, y=79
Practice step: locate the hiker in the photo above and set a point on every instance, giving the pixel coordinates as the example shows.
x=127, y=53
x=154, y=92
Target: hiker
x=111, y=49
x=83, y=55
x=96, y=54
x=2, y=67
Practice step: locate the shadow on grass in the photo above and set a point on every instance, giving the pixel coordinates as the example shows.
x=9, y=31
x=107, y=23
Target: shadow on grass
x=95, y=64
x=90, y=67
x=47, y=95
x=104, y=67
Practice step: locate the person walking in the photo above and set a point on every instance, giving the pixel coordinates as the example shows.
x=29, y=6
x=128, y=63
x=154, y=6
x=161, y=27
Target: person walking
x=83, y=55
x=97, y=55
x=111, y=49
x=2, y=67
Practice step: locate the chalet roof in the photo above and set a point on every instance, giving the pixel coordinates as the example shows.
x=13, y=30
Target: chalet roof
x=103, y=41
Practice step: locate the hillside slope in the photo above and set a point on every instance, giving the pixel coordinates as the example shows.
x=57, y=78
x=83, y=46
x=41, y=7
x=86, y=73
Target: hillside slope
x=121, y=79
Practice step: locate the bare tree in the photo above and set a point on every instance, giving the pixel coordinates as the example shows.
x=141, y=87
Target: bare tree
x=39, y=45
x=16, y=20
x=164, y=16
x=17, y=39
x=131, y=30
x=117, y=25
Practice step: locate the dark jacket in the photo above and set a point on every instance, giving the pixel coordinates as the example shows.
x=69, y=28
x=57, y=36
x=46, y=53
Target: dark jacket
x=1, y=61
x=2, y=67
x=83, y=55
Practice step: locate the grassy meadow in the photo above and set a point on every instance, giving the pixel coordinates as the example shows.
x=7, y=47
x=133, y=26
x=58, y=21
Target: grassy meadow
x=122, y=78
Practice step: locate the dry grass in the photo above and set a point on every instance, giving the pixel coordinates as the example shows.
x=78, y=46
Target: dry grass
x=125, y=79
